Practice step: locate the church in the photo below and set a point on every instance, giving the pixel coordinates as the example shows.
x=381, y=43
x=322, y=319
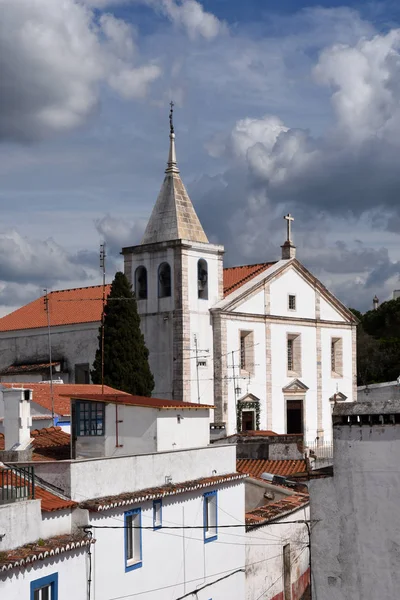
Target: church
x=267, y=344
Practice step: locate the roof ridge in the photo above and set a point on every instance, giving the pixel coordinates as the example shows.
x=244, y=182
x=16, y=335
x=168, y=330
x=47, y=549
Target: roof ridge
x=268, y=262
x=83, y=287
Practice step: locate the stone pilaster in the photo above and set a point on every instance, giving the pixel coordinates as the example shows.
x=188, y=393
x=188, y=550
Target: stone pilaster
x=220, y=368
x=181, y=384
x=268, y=369
x=354, y=361
x=320, y=432
x=128, y=267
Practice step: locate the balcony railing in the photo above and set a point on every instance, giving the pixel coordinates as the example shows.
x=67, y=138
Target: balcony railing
x=16, y=483
x=319, y=453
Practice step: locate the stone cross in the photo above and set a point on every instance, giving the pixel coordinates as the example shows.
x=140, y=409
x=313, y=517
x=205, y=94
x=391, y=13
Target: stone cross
x=289, y=220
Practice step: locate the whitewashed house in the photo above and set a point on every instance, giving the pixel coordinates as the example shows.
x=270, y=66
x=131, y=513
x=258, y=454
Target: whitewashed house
x=164, y=508
x=354, y=506
x=269, y=341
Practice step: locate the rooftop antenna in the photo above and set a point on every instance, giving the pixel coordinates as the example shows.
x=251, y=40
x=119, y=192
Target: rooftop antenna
x=103, y=267
x=47, y=309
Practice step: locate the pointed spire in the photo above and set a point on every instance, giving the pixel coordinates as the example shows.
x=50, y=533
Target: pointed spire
x=173, y=216
x=172, y=166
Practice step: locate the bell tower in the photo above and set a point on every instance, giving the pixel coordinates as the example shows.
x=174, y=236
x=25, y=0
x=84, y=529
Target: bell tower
x=177, y=276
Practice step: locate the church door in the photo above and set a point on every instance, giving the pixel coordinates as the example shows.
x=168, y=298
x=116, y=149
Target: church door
x=294, y=416
x=248, y=420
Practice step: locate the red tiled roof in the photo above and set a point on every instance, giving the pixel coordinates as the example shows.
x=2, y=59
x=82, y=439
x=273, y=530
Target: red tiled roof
x=143, y=401
x=49, y=500
x=99, y=504
x=49, y=443
x=61, y=391
x=269, y=512
x=235, y=277
x=80, y=305
x=31, y=368
x=255, y=467
x=30, y=553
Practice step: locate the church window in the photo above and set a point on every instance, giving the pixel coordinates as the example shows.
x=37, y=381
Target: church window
x=293, y=350
x=164, y=280
x=202, y=279
x=247, y=351
x=141, y=283
x=337, y=357
x=292, y=302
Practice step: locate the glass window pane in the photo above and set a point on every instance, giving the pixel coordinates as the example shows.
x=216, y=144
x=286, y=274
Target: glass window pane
x=129, y=540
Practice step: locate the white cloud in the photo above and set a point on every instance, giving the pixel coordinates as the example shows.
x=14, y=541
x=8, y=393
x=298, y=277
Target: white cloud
x=53, y=57
x=119, y=233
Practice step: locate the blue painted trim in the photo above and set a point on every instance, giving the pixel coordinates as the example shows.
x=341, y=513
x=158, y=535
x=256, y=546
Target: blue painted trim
x=155, y=503
x=51, y=580
x=139, y=563
x=213, y=537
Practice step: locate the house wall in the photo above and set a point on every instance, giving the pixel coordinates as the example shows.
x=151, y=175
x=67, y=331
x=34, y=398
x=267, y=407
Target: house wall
x=174, y=561
x=355, y=540
x=264, y=558
x=20, y=522
x=192, y=430
x=72, y=577
x=74, y=344
x=55, y=522
x=94, y=478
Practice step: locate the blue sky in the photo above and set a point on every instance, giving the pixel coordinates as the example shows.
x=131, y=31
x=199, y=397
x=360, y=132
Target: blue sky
x=279, y=106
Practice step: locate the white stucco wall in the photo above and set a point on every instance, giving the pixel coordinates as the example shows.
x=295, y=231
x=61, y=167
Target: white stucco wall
x=174, y=561
x=291, y=282
x=72, y=577
x=20, y=522
x=328, y=312
x=355, y=540
x=75, y=344
x=264, y=555
x=93, y=478
x=55, y=522
x=191, y=430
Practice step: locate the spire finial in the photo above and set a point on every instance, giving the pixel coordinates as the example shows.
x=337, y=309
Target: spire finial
x=171, y=165
x=171, y=113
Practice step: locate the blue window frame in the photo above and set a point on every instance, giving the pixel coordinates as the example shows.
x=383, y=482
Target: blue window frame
x=210, y=516
x=90, y=418
x=157, y=514
x=133, y=539
x=45, y=588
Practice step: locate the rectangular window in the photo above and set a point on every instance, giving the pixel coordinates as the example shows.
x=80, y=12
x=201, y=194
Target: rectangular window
x=90, y=418
x=82, y=374
x=292, y=302
x=45, y=588
x=337, y=357
x=210, y=516
x=293, y=351
x=157, y=514
x=247, y=351
x=133, y=539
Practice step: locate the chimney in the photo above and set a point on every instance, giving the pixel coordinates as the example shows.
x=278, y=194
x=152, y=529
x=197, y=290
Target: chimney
x=17, y=424
x=375, y=302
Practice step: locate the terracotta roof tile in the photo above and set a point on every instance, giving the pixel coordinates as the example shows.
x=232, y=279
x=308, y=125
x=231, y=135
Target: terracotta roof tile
x=235, y=277
x=255, y=467
x=142, y=401
x=274, y=510
x=99, y=504
x=49, y=501
x=29, y=368
x=49, y=443
x=80, y=305
x=61, y=391
x=30, y=553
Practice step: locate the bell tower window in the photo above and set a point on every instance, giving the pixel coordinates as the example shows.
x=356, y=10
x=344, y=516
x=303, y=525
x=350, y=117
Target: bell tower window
x=141, y=283
x=202, y=279
x=164, y=280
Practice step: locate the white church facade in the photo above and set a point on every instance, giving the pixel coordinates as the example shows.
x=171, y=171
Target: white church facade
x=268, y=343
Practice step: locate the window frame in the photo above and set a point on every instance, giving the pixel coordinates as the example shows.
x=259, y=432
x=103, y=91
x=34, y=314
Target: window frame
x=161, y=287
x=130, y=563
x=48, y=581
x=290, y=296
x=337, y=357
x=156, y=503
x=296, y=362
x=202, y=294
x=97, y=405
x=208, y=496
x=246, y=351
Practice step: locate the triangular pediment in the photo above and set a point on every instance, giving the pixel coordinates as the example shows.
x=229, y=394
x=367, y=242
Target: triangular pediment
x=294, y=387
x=338, y=397
x=249, y=398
